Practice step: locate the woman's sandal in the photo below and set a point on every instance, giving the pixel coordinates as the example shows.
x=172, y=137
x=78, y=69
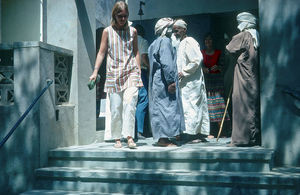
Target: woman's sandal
x=131, y=143
x=118, y=144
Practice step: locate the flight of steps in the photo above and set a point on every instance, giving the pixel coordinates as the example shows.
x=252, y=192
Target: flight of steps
x=203, y=168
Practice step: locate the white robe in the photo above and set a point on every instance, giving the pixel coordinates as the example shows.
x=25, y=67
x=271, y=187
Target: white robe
x=192, y=87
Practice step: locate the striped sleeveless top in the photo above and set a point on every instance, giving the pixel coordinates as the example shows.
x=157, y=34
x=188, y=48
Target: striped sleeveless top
x=121, y=68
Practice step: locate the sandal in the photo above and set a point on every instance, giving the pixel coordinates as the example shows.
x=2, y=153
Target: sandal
x=118, y=144
x=163, y=142
x=131, y=143
x=231, y=145
x=178, y=138
x=195, y=141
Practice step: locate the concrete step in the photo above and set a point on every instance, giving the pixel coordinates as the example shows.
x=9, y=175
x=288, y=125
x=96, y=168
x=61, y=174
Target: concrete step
x=62, y=192
x=99, y=136
x=160, y=181
x=189, y=157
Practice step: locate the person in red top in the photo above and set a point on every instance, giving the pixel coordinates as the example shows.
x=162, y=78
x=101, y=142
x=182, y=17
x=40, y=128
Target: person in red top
x=214, y=82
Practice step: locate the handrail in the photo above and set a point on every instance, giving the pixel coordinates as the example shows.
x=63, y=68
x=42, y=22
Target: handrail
x=49, y=82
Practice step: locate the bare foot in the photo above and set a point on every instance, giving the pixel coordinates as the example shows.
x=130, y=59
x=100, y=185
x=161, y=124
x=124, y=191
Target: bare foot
x=131, y=143
x=118, y=144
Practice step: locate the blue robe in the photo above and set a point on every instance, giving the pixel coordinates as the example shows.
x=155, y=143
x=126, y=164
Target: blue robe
x=165, y=109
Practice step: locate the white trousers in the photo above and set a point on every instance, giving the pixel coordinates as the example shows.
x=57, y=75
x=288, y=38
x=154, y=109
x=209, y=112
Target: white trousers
x=120, y=114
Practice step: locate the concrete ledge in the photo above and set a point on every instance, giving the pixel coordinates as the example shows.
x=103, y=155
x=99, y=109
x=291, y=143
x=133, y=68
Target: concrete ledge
x=134, y=180
x=146, y=150
x=201, y=156
x=98, y=175
x=205, y=153
x=43, y=45
x=62, y=192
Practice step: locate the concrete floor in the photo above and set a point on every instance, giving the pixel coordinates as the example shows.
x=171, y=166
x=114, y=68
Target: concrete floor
x=148, y=144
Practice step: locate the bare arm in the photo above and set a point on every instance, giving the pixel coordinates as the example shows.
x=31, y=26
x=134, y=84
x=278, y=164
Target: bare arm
x=136, y=50
x=145, y=59
x=100, y=54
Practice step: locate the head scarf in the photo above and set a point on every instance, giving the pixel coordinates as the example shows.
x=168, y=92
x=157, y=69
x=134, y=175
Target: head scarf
x=247, y=22
x=180, y=23
x=162, y=26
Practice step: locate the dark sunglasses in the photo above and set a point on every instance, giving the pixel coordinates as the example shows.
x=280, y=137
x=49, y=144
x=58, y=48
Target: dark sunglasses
x=122, y=16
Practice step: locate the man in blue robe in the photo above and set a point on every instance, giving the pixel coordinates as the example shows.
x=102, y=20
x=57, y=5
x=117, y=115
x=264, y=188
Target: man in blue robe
x=165, y=105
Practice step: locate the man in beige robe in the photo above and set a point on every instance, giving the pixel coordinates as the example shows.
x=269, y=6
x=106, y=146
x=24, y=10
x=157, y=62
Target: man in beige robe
x=245, y=95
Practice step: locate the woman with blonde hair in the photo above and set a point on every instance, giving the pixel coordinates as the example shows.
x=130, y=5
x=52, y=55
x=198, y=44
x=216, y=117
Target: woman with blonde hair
x=119, y=42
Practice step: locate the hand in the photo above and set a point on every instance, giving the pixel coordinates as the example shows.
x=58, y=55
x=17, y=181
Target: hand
x=180, y=75
x=172, y=88
x=93, y=77
x=214, y=67
x=205, y=70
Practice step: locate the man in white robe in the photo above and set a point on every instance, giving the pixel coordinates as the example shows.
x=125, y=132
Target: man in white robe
x=191, y=82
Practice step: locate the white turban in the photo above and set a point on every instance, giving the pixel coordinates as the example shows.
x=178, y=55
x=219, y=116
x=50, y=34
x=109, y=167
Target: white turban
x=247, y=22
x=180, y=23
x=162, y=25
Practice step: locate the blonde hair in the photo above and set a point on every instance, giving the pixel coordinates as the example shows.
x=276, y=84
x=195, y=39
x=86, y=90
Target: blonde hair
x=118, y=7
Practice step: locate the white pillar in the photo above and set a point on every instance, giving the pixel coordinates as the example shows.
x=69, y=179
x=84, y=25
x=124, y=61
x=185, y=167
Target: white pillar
x=72, y=25
x=41, y=20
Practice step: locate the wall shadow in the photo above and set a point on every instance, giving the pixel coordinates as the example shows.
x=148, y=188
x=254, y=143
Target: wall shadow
x=280, y=43
x=87, y=32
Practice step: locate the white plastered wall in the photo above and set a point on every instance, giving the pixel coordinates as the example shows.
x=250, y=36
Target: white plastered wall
x=20, y=20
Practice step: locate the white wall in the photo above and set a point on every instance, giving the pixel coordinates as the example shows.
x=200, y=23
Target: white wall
x=71, y=24
x=170, y=8
x=103, y=13
x=20, y=20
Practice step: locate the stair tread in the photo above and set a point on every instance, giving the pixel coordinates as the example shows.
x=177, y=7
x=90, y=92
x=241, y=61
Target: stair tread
x=160, y=174
x=210, y=167
x=63, y=192
x=146, y=150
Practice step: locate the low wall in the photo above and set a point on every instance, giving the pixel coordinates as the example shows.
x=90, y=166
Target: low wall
x=24, y=69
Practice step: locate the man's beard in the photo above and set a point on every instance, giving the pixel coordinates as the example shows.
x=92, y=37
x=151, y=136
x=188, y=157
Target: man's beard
x=175, y=41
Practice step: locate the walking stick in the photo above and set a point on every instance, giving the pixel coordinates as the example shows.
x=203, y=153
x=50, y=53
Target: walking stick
x=222, y=122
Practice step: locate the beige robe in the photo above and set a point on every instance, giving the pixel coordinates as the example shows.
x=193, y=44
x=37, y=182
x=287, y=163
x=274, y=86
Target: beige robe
x=245, y=95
